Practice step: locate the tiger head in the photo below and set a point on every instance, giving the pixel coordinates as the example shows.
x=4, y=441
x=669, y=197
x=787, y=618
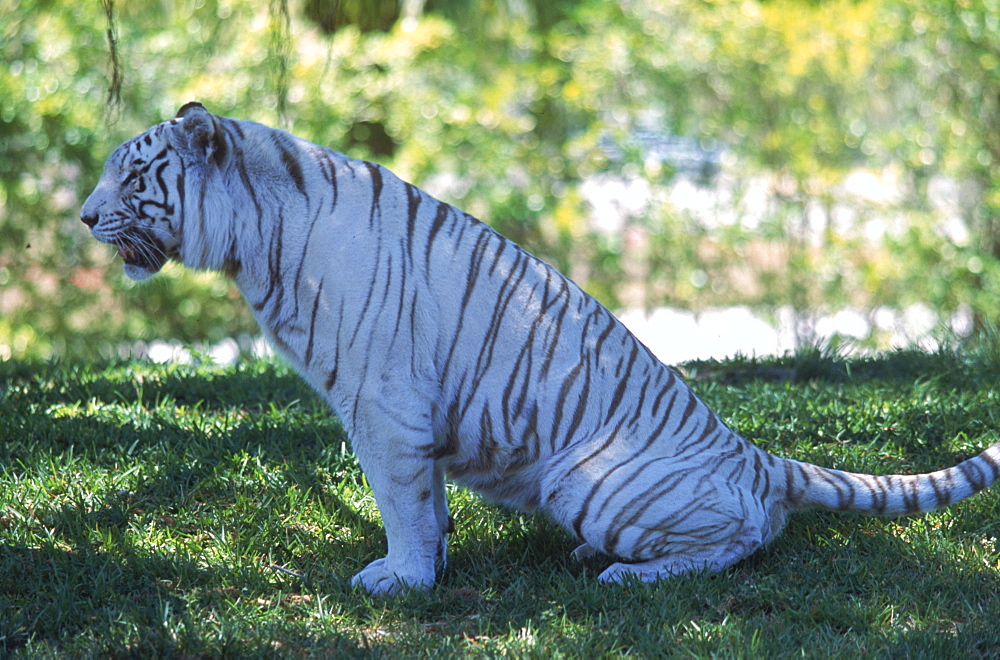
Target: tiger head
x=138, y=204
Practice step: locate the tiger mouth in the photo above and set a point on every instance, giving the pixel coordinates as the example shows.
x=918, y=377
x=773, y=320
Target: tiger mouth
x=141, y=249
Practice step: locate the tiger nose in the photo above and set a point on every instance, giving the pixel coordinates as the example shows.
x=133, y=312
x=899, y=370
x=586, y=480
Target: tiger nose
x=89, y=220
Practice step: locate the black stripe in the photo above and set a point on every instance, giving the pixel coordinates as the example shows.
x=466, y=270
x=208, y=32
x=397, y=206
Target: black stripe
x=842, y=484
x=376, y=179
x=636, y=455
x=563, y=396
x=274, y=271
x=312, y=323
x=200, y=232
x=514, y=410
x=231, y=264
x=436, y=225
x=181, y=217
x=688, y=411
x=974, y=474
x=291, y=164
x=992, y=462
x=880, y=493
x=581, y=515
x=663, y=392
x=910, y=489
x=639, y=404
x=327, y=166
x=794, y=497
x=640, y=506
x=619, y=394
x=368, y=297
x=942, y=496
x=474, y=262
x=413, y=198
x=510, y=286
x=402, y=293
x=599, y=344
x=221, y=145
x=302, y=257
x=761, y=476
x=332, y=178
x=158, y=175
x=555, y=320
x=400, y=306
x=249, y=186
x=332, y=376
x=581, y=405
x=690, y=441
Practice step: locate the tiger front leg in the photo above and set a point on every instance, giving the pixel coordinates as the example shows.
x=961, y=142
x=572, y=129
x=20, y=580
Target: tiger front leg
x=409, y=490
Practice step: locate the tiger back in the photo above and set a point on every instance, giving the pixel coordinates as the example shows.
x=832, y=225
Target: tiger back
x=446, y=349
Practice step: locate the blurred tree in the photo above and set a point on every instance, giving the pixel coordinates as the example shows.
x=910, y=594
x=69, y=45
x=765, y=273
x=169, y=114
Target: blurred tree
x=951, y=52
x=514, y=110
x=365, y=15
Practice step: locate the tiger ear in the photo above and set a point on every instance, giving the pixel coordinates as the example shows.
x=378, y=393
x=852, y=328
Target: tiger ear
x=184, y=109
x=199, y=135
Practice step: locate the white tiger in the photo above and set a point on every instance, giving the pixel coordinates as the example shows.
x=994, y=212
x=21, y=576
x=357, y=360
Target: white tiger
x=447, y=350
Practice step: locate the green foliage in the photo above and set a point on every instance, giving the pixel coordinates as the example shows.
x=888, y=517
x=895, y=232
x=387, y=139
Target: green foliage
x=508, y=109
x=142, y=509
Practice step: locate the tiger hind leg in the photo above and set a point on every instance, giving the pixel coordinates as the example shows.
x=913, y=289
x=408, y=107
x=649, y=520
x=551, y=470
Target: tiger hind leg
x=661, y=516
x=711, y=559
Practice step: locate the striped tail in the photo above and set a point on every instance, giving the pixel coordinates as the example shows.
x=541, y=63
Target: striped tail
x=810, y=486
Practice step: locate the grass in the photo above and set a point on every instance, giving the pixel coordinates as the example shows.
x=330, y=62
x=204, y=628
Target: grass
x=142, y=508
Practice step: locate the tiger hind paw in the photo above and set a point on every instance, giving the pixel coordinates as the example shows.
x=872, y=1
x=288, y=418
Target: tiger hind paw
x=662, y=568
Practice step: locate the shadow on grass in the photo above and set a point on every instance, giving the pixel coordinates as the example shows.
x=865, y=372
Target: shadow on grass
x=86, y=602
x=76, y=577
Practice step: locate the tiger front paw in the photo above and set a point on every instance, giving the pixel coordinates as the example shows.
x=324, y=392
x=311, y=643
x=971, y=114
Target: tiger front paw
x=379, y=579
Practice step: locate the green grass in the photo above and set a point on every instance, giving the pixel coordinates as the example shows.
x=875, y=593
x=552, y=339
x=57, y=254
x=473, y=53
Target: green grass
x=141, y=509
